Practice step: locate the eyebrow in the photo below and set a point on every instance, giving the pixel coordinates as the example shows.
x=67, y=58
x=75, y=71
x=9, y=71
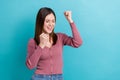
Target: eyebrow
x=49, y=19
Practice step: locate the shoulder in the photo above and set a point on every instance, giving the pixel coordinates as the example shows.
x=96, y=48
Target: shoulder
x=31, y=41
x=61, y=35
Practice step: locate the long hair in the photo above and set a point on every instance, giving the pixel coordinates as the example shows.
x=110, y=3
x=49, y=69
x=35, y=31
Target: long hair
x=42, y=13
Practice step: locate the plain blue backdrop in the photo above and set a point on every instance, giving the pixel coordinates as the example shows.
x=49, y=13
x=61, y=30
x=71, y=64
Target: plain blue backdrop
x=98, y=22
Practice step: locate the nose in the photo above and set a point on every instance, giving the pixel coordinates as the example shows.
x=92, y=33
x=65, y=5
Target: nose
x=50, y=23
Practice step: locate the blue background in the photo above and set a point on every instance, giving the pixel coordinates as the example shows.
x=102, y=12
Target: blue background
x=98, y=22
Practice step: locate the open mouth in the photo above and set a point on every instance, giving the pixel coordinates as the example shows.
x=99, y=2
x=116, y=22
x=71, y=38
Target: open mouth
x=49, y=28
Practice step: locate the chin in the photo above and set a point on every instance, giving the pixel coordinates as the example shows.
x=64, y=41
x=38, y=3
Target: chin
x=49, y=32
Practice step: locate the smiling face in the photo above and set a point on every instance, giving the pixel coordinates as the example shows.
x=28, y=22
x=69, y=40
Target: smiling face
x=49, y=23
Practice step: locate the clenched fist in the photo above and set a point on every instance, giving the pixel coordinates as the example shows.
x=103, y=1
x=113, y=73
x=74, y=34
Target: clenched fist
x=68, y=15
x=44, y=40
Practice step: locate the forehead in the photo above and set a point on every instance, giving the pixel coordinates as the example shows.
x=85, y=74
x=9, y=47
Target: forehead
x=50, y=16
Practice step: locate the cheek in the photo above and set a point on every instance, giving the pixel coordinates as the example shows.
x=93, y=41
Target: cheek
x=53, y=24
x=45, y=25
x=44, y=28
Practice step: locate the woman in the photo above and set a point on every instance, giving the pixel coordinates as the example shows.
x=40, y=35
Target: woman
x=45, y=49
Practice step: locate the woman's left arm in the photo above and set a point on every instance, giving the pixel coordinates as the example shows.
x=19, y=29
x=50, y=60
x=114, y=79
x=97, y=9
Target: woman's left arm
x=76, y=39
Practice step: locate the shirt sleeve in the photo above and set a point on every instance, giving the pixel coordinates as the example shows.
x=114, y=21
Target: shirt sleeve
x=33, y=54
x=75, y=40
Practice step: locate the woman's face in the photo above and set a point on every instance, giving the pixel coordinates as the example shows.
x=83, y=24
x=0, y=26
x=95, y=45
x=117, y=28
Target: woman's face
x=49, y=23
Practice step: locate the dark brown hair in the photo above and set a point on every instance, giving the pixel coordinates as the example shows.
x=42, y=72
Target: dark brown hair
x=42, y=13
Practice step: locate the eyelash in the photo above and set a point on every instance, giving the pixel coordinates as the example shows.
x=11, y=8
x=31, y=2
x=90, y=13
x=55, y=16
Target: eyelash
x=48, y=21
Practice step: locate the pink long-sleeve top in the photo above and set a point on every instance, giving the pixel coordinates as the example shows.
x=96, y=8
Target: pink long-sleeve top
x=49, y=60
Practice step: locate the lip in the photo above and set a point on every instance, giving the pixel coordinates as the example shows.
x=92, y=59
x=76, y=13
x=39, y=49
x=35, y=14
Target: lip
x=49, y=28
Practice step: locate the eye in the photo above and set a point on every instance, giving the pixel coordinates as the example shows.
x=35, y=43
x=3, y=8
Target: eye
x=53, y=21
x=46, y=21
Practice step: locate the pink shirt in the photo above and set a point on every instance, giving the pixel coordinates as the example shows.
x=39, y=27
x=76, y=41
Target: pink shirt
x=49, y=60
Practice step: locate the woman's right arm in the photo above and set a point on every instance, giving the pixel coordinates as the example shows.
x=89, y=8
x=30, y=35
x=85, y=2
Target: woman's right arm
x=33, y=54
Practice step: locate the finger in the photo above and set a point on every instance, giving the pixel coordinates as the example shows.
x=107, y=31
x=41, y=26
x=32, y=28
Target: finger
x=42, y=34
x=45, y=36
x=66, y=13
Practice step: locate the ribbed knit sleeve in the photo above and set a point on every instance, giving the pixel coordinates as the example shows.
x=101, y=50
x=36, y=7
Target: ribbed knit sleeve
x=75, y=40
x=33, y=54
